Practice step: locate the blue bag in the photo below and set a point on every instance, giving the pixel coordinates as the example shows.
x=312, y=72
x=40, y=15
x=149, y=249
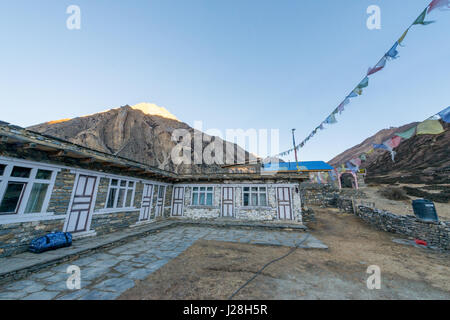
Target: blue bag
x=51, y=241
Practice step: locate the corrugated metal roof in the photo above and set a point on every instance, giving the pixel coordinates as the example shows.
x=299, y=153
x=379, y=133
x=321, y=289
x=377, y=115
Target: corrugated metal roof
x=302, y=165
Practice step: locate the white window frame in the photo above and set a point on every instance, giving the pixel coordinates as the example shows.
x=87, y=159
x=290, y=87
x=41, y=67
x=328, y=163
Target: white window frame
x=20, y=214
x=258, y=193
x=205, y=192
x=116, y=196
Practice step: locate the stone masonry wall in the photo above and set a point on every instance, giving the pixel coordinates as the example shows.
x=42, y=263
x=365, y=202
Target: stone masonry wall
x=15, y=237
x=435, y=233
x=61, y=193
x=113, y=222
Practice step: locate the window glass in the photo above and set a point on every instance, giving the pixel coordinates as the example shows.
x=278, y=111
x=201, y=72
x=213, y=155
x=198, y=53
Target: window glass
x=111, y=197
x=202, y=199
x=209, y=199
x=123, y=183
x=195, y=199
x=210, y=189
x=43, y=174
x=202, y=189
x=120, y=198
x=254, y=199
x=161, y=192
x=130, y=184
x=2, y=169
x=114, y=182
x=129, y=194
x=262, y=199
x=195, y=189
x=20, y=172
x=246, y=189
x=12, y=197
x=36, y=199
x=246, y=199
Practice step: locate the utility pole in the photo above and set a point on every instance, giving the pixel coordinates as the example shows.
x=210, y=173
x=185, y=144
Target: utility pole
x=295, y=149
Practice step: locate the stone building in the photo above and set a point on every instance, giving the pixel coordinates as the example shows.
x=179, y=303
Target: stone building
x=49, y=184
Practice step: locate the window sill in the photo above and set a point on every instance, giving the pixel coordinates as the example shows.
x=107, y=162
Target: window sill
x=29, y=217
x=116, y=210
x=202, y=207
x=255, y=208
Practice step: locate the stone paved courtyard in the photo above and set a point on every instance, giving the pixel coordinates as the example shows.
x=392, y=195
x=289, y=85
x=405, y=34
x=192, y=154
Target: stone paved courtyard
x=106, y=275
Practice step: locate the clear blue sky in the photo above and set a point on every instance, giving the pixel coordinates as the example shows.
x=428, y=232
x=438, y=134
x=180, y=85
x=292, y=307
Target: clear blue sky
x=230, y=63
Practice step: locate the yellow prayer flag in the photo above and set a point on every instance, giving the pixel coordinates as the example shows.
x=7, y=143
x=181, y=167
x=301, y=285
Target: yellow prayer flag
x=403, y=36
x=370, y=151
x=430, y=127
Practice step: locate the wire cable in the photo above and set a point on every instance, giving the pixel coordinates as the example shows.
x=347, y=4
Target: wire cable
x=268, y=264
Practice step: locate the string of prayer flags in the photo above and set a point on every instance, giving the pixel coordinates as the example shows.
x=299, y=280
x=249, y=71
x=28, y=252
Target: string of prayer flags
x=430, y=127
x=425, y=128
x=438, y=4
x=445, y=115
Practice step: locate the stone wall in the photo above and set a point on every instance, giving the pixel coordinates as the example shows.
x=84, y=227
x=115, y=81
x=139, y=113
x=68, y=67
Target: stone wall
x=325, y=195
x=112, y=222
x=16, y=237
x=435, y=233
x=61, y=193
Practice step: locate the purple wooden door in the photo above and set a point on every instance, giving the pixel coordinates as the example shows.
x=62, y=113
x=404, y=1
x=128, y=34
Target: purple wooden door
x=284, y=203
x=227, y=201
x=146, y=205
x=80, y=211
x=178, y=200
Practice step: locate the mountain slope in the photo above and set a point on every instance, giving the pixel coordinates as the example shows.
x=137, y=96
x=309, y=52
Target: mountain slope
x=420, y=159
x=142, y=133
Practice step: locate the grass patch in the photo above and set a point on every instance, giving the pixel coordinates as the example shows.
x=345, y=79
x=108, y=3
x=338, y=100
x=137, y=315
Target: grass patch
x=393, y=193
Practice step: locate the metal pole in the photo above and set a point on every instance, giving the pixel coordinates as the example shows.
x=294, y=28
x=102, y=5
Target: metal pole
x=295, y=149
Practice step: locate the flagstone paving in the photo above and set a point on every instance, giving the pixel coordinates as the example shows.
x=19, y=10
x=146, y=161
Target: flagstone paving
x=106, y=275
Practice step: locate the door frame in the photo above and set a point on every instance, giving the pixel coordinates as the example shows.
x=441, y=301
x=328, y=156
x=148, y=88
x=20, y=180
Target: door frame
x=232, y=199
x=92, y=205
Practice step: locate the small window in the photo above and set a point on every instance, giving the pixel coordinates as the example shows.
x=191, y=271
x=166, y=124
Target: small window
x=2, y=169
x=121, y=194
x=43, y=174
x=202, y=196
x=12, y=197
x=255, y=196
x=21, y=172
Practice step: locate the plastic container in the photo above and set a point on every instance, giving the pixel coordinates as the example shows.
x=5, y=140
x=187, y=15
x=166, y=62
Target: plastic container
x=425, y=210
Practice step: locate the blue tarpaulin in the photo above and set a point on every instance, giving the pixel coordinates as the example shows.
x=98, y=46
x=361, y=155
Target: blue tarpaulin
x=302, y=166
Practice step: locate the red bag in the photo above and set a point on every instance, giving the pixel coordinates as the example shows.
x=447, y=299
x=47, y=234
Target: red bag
x=421, y=242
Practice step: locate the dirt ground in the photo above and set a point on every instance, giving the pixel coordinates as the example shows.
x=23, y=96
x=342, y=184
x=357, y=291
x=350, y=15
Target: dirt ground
x=402, y=207
x=214, y=270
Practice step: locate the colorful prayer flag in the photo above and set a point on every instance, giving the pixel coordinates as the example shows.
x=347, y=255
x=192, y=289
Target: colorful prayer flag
x=407, y=134
x=421, y=19
x=430, y=127
x=379, y=66
x=438, y=4
x=445, y=115
x=392, y=53
x=331, y=119
x=403, y=37
x=380, y=146
x=364, y=83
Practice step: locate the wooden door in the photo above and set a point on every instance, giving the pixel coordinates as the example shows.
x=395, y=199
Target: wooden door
x=80, y=212
x=284, y=203
x=160, y=201
x=178, y=201
x=146, y=204
x=227, y=202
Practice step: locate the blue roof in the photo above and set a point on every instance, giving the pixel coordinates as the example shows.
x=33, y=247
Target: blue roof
x=303, y=166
